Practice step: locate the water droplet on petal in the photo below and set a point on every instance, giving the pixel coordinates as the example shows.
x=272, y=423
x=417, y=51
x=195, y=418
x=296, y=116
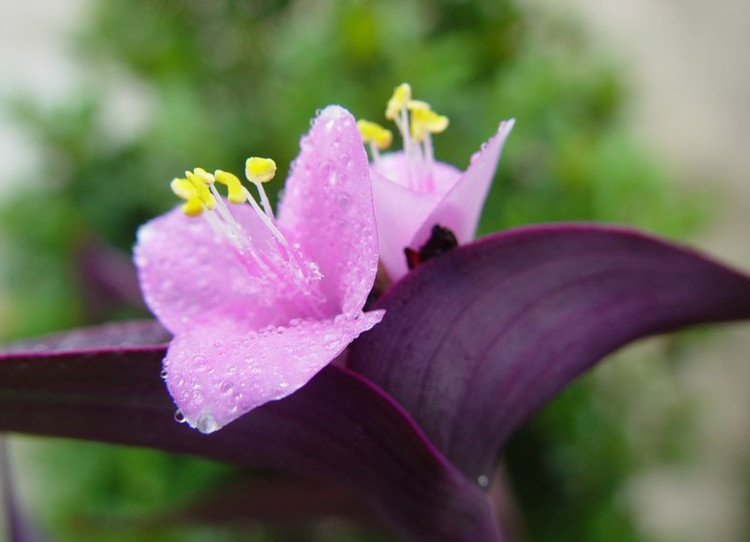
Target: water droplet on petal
x=206, y=424
x=483, y=481
x=179, y=417
x=226, y=388
x=343, y=199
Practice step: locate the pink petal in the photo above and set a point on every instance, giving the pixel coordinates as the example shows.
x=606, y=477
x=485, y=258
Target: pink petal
x=224, y=368
x=188, y=273
x=400, y=211
x=460, y=209
x=327, y=208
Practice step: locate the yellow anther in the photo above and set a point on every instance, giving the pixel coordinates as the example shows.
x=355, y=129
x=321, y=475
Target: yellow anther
x=401, y=96
x=192, y=207
x=204, y=175
x=259, y=170
x=200, y=183
x=374, y=133
x=183, y=188
x=194, y=203
x=235, y=193
x=425, y=122
x=418, y=105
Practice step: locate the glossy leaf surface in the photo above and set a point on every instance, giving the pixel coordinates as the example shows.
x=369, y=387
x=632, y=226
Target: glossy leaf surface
x=476, y=341
x=339, y=427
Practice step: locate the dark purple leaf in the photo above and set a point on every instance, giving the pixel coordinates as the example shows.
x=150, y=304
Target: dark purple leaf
x=477, y=340
x=132, y=334
x=339, y=427
x=271, y=500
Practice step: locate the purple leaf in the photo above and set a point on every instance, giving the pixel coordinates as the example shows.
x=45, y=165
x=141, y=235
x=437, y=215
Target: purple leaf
x=338, y=427
x=271, y=500
x=135, y=333
x=477, y=340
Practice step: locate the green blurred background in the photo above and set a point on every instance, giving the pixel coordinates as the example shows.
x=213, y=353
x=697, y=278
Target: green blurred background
x=212, y=82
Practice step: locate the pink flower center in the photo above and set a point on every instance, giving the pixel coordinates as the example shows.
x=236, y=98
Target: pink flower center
x=276, y=265
x=416, y=122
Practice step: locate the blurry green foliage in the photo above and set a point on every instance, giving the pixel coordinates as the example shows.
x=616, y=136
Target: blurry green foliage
x=216, y=81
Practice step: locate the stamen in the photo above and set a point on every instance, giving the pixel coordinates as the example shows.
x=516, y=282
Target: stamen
x=376, y=136
x=416, y=121
x=425, y=122
x=235, y=193
x=274, y=261
x=184, y=189
x=418, y=105
x=267, y=220
x=259, y=171
x=197, y=197
x=397, y=103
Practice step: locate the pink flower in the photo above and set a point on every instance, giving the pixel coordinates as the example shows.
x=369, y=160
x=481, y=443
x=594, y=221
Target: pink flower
x=258, y=305
x=413, y=192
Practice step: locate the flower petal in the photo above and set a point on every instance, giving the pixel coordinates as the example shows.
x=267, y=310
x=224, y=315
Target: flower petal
x=225, y=369
x=189, y=273
x=460, y=208
x=327, y=208
x=400, y=211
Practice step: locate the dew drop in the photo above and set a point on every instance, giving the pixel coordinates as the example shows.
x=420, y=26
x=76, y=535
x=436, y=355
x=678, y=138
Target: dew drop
x=179, y=417
x=206, y=424
x=343, y=199
x=226, y=388
x=201, y=362
x=163, y=374
x=483, y=481
x=325, y=169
